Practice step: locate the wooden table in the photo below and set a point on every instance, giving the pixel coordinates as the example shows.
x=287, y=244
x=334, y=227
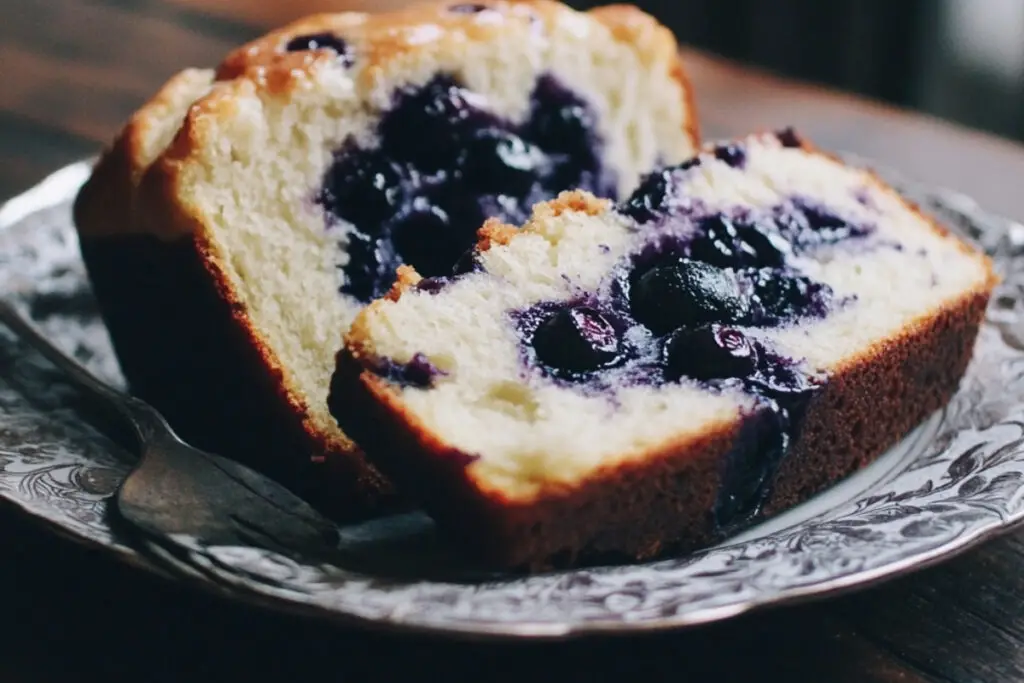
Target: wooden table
x=72, y=70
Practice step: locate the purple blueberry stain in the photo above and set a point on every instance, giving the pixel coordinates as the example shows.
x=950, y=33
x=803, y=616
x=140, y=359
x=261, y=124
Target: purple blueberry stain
x=418, y=372
x=443, y=165
x=863, y=197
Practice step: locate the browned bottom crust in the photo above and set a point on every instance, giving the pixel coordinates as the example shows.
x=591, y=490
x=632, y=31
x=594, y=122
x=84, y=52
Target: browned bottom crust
x=182, y=349
x=664, y=504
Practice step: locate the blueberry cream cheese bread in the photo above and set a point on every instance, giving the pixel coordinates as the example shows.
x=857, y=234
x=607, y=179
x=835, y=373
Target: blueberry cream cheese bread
x=628, y=379
x=246, y=214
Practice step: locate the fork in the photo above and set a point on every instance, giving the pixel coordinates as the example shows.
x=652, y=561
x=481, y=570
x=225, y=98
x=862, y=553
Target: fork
x=178, y=492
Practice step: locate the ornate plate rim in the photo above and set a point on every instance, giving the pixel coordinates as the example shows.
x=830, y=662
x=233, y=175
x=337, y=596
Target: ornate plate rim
x=141, y=554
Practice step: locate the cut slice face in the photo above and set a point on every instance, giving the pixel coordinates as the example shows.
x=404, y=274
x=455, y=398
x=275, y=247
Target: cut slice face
x=282, y=196
x=745, y=329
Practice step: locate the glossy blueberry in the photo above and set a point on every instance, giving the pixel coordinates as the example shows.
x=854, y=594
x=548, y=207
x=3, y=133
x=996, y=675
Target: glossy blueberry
x=500, y=160
x=443, y=165
x=710, y=352
x=780, y=380
x=784, y=295
x=731, y=243
x=561, y=121
x=576, y=339
x=318, y=41
x=651, y=197
x=429, y=125
x=732, y=154
x=687, y=293
x=423, y=238
x=370, y=260
x=364, y=190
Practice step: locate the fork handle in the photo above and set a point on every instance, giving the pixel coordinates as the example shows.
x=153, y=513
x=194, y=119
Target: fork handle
x=146, y=422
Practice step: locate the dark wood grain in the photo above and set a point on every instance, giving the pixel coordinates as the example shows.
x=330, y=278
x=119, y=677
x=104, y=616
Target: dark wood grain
x=73, y=70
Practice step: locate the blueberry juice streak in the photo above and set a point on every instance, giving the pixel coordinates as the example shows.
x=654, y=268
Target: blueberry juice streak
x=693, y=306
x=443, y=165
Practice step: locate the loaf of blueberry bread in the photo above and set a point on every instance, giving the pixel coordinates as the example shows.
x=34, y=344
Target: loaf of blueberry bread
x=247, y=213
x=632, y=379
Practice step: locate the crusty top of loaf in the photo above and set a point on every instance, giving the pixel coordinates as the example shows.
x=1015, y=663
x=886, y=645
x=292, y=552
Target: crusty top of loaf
x=389, y=50
x=384, y=38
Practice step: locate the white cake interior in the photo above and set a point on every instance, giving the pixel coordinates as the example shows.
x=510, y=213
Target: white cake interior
x=530, y=431
x=264, y=148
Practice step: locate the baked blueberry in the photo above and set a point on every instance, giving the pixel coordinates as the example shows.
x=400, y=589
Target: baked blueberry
x=370, y=260
x=577, y=339
x=729, y=243
x=423, y=238
x=364, y=190
x=783, y=295
x=429, y=126
x=687, y=293
x=649, y=199
x=318, y=41
x=732, y=154
x=560, y=120
x=497, y=160
x=444, y=164
x=789, y=138
x=418, y=372
x=710, y=352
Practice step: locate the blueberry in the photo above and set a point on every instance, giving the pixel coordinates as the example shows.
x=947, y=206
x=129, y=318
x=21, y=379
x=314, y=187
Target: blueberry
x=686, y=293
x=779, y=379
x=443, y=165
x=808, y=225
x=737, y=244
x=732, y=154
x=467, y=8
x=789, y=138
x=710, y=352
x=650, y=199
x=318, y=41
x=429, y=125
x=423, y=239
x=370, y=263
x=576, y=339
x=419, y=372
x=467, y=263
x=560, y=119
x=363, y=190
x=497, y=160
x=784, y=296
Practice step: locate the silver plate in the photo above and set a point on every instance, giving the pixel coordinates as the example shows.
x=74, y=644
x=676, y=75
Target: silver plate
x=958, y=479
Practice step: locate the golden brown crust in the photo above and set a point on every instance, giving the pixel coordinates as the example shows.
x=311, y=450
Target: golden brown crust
x=644, y=508
x=662, y=502
x=383, y=37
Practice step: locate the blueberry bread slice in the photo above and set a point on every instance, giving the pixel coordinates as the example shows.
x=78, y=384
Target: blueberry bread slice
x=276, y=195
x=625, y=380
